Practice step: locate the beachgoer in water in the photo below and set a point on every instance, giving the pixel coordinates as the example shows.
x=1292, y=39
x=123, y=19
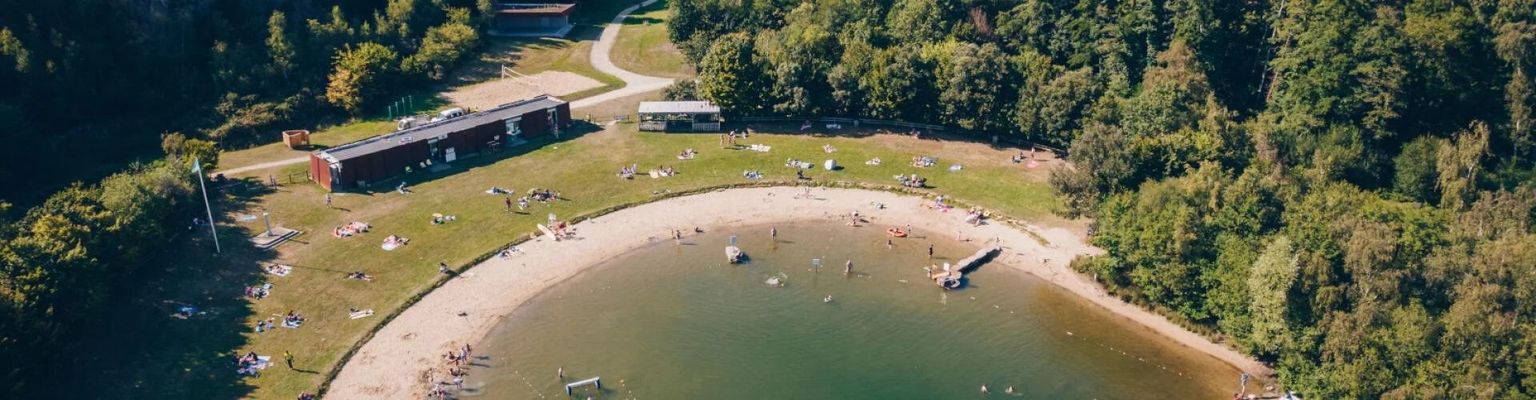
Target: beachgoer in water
x=984, y=389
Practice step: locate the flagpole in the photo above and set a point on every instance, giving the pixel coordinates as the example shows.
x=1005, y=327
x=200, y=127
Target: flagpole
x=198, y=166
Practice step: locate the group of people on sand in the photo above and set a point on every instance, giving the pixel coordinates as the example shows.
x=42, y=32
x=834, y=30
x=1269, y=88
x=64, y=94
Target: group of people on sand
x=458, y=363
x=509, y=251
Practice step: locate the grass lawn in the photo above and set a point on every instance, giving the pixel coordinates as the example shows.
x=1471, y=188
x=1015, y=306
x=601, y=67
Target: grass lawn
x=189, y=355
x=643, y=46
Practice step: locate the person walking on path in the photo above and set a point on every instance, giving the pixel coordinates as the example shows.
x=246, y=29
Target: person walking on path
x=288, y=357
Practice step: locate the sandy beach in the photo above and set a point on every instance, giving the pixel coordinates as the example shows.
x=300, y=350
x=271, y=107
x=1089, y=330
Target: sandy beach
x=400, y=360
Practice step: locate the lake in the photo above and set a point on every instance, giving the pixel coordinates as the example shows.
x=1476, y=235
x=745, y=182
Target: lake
x=675, y=321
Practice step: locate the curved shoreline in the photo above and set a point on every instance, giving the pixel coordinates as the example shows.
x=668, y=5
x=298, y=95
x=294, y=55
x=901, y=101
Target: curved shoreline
x=396, y=362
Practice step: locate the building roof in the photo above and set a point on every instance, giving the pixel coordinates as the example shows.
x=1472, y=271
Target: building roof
x=533, y=8
x=678, y=107
x=439, y=128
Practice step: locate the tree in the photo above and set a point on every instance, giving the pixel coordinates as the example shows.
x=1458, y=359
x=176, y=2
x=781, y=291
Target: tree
x=730, y=75
x=1460, y=164
x=899, y=86
x=360, y=75
x=1415, y=177
x=917, y=21
x=1268, y=284
x=682, y=89
x=443, y=46
x=11, y=46
x=978, y=89
x=279, y=45
x=1054, y=112
x=184, y=150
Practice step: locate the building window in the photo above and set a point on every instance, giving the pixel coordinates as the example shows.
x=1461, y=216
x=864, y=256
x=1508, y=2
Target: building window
x=514, y=128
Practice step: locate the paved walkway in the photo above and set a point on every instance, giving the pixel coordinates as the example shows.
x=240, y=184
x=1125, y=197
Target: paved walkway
x=265, y=165
x=633, y=83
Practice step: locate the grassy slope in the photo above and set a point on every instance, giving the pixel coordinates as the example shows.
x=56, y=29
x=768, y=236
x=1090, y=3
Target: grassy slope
x=582, y=169
x=643, y=46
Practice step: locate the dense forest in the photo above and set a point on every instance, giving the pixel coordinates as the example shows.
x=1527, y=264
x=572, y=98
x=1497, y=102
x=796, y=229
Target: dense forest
x=87, y=87
x=1340, y=188
x=94, y=83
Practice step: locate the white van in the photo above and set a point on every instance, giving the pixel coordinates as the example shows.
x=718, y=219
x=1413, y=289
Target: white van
x=451, y=113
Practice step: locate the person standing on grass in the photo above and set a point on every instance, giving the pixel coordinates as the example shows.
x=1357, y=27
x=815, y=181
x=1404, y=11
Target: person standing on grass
x=508, y=200
x=930, y=250
x=289, y=358
x=328, y=200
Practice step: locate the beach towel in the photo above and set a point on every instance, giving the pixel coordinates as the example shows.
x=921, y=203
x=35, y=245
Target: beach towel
x=388, y=246
x=279, y=270
x=293, y=324
x=361, y=313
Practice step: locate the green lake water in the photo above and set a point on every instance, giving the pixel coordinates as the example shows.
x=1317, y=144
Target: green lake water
x=672, y=321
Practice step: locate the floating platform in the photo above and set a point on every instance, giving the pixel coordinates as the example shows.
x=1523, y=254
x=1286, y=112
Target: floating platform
x=733, y=254
x=949, y=276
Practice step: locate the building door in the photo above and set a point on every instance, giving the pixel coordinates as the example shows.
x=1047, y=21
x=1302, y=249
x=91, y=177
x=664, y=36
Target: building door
x=432, y=150
x=554, y=121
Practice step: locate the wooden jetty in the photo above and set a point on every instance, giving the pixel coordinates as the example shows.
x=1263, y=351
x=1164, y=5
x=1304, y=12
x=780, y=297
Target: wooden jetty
x=948, y=277
x=733, y=254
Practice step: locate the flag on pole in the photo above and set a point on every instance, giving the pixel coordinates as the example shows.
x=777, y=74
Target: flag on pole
x=197, y=168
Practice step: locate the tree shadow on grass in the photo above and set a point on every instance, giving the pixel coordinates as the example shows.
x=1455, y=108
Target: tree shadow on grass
x=141, y=351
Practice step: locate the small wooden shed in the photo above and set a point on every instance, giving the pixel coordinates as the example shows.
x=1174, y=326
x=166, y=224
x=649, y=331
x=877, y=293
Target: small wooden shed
x=296, y=139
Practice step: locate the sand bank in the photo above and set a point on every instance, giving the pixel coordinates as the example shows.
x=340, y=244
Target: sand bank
x=396, y=363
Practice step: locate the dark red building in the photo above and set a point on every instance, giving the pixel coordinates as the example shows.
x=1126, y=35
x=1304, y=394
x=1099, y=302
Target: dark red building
x=380, y=158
